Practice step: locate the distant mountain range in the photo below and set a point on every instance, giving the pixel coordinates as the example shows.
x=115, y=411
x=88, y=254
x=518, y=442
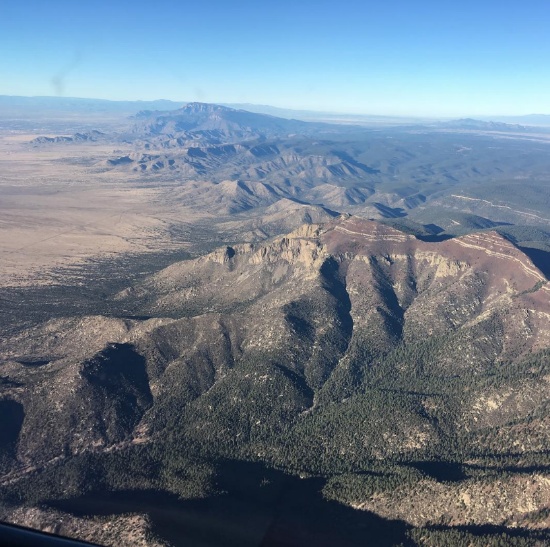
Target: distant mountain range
x=37, y=106
x=229, y=160
x=476, y=125
x=90, y=136
x=40, y=106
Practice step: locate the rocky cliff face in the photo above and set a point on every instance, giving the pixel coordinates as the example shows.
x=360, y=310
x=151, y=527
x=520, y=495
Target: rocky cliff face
x=395, y=283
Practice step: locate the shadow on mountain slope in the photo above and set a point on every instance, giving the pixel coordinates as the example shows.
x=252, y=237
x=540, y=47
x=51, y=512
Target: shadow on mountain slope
x=540, y=258
x=258, y=507
x=12, y=415
x=441, y=471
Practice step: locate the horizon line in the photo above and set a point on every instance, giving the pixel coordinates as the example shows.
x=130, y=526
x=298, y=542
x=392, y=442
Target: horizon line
x=284, y=108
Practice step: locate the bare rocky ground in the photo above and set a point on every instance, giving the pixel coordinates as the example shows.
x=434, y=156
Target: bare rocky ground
x=57, y=212
x=121, y=530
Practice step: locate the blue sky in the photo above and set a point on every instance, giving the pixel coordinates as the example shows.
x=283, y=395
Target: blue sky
x=394, y=57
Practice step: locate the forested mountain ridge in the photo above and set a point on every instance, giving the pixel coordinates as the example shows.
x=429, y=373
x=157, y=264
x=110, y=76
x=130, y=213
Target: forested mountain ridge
x=348, y=351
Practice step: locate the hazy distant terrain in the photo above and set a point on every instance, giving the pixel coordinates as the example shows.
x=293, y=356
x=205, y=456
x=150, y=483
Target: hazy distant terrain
x=220, y=323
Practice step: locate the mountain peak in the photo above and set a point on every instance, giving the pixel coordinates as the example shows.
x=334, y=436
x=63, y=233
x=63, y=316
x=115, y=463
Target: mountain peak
x=213, y=124
x=204, y=108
